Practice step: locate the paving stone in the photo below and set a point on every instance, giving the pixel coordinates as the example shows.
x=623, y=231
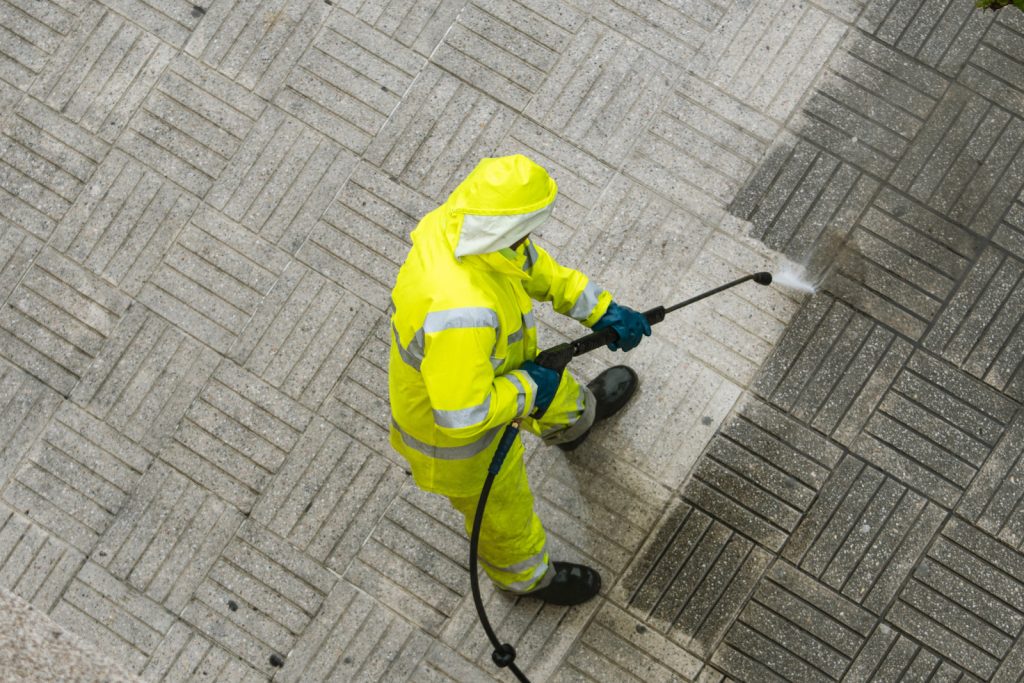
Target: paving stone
x=832, y=368
x=58, y=319
x=934, y=429
x=348, y=245
x=102, y=71
x=890, y=655
x=34, y=34
x=993, y=69
x=901, y=262
x=358, y=405
x=328, y=496
x=77, y=477
x=304, y=335
x=585, y=99
x=37, y=648
x=965, y=599
x=17, y=251
x=796, y=628
x=146, y=376
x=256, y=45
x=34, y=564
x=616, y=647
x=507, y=49
x=978, y=329
x=354, y=638
x=940, y=33
x=191, y=144
x=543, y=634
x=582, y=180
x=236, y=435
x=761, y=473
x=122, y=622
x=281, y=180
x=415, y=561
x=803, y=202
x=171, y=21
x=967, y=161
x=419, y=26
x=674, y=415
x=864, y=534
x=425, y=146
x=213, y=279
x=258, y=598
x=993, y=500
x=870, y=105
x=596, y=508
x=442, y=664
x=349, y=81
x=767, y=58
x=700, y=147
x=26, y=406
x=166, y=537
x=691, y=578
x=46, y=162
x=185, y=655
x=123, y=222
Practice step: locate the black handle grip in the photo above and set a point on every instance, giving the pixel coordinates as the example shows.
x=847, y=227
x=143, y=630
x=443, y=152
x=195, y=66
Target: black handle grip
x=557, y=357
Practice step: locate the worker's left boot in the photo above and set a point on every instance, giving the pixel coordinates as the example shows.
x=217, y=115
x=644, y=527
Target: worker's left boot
x=570, y=584
x=612, y=388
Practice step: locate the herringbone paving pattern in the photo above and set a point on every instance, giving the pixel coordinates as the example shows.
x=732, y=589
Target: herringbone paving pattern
x=203, y=207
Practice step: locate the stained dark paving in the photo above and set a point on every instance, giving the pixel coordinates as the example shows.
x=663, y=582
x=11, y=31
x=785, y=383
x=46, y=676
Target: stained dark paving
x=895, y=554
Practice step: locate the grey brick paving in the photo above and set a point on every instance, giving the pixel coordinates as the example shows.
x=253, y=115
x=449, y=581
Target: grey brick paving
x=202, y=212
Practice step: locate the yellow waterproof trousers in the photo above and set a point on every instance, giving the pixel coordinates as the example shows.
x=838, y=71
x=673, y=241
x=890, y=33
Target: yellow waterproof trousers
x=512, y=539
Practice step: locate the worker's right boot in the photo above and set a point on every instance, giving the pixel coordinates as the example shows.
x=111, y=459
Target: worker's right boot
x=571, y=584
x=612, y=388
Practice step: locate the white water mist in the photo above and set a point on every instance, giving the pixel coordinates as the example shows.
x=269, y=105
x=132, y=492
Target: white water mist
x=788, y=277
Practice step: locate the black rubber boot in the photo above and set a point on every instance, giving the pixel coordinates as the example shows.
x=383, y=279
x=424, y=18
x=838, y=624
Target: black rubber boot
x=573, y=584
x=612, y=388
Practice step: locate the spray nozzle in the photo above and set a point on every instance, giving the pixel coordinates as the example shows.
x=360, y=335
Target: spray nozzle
x=763, y=278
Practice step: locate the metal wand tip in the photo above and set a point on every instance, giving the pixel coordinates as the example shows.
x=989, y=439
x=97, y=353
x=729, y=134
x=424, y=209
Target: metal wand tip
x=763, y=278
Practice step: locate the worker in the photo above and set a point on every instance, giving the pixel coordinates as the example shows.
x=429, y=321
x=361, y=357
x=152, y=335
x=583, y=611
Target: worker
x=463, y=340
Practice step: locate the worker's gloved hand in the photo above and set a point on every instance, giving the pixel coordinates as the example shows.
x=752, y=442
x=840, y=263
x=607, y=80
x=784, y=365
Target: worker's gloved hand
x=630, y=325
x=547, y=384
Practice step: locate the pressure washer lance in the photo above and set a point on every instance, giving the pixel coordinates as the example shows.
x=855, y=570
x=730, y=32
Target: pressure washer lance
x=556, y=358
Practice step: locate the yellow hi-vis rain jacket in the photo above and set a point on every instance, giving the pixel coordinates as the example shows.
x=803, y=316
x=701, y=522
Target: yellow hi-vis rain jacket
x=463, y=323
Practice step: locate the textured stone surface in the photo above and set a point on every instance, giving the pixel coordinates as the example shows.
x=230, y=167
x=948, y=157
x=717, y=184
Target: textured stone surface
x=203, y=208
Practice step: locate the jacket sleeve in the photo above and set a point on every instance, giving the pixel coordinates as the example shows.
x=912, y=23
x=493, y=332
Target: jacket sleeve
x=466, y=396
x=569, y=291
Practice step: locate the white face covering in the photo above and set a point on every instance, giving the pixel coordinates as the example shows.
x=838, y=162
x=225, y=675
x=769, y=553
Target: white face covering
x=486, y=234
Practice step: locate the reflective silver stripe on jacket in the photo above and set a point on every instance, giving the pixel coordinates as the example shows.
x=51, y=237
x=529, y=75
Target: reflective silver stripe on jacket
x=463, y=417
x=585, y=304
x=521, y=398
x=413, y=355
x=529, y=322
x=448, y=452
x=531, y=257
x=475, y=316
x=437, y=321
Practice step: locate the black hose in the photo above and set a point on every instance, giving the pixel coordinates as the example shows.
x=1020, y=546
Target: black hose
x=504, y=654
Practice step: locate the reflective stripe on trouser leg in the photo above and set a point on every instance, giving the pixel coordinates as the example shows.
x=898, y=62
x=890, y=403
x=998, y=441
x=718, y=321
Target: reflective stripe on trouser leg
x=512, y=537
x=570, y=414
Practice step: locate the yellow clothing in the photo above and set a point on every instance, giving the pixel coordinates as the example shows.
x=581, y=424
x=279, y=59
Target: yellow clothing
x=463, y=325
